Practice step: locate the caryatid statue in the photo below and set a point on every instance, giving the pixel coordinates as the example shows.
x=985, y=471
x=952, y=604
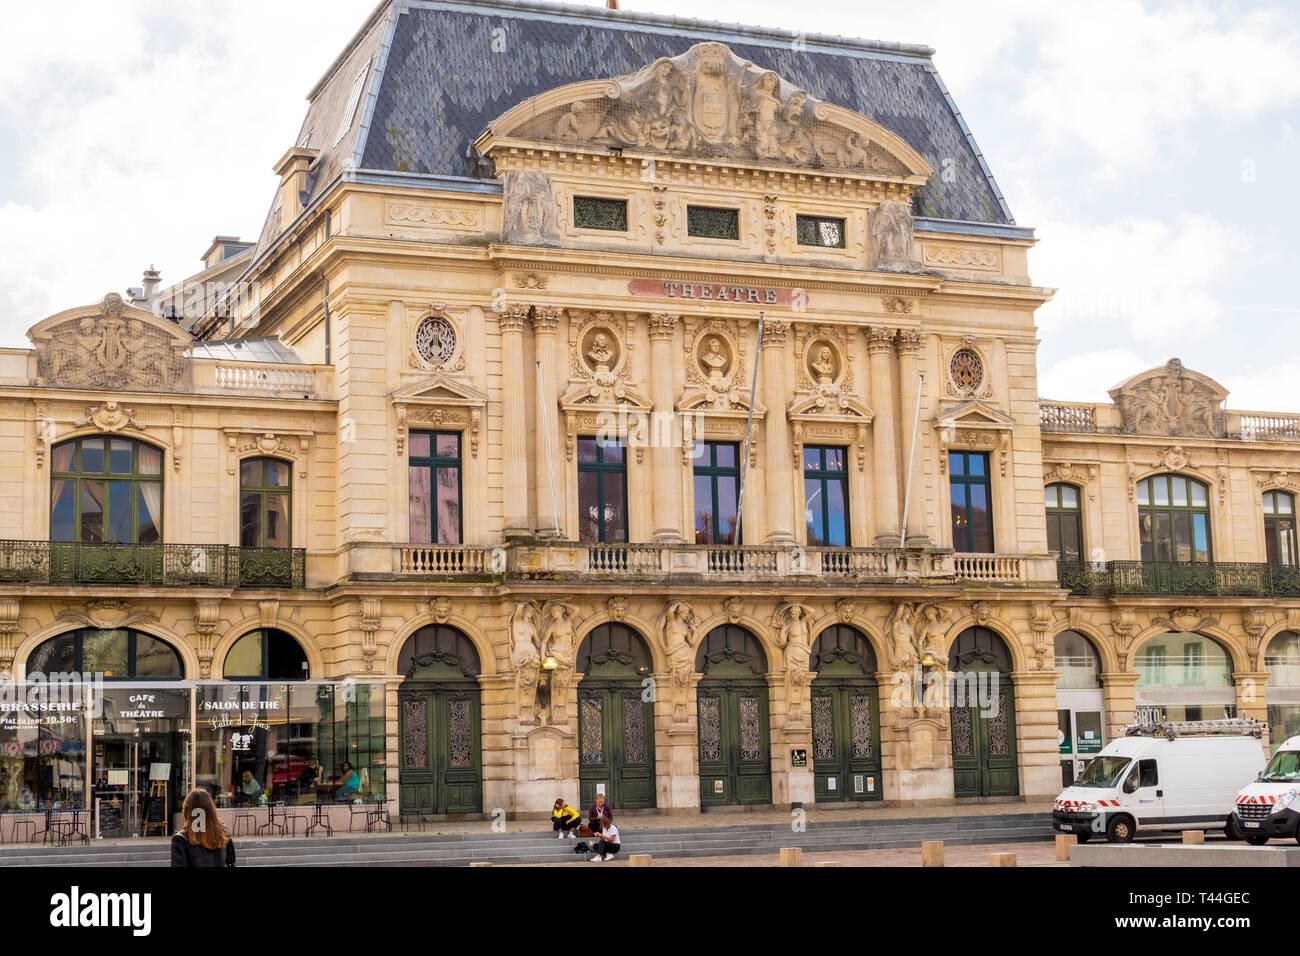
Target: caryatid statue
x=679, y=632
x=558, y=642
x=902, y=632
x=932, y=634
x=794, y=637
x=525, y=658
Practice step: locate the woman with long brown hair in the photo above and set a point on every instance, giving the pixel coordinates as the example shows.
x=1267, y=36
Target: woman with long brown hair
x=203, y=841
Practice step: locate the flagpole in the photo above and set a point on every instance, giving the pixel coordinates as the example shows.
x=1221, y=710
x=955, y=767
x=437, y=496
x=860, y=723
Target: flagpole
x=749, y=426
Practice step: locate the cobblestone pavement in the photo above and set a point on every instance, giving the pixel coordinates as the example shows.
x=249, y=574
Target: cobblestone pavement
x=1039, y=853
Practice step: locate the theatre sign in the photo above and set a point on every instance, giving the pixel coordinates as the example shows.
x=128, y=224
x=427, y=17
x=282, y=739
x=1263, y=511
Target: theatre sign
x=720, y=291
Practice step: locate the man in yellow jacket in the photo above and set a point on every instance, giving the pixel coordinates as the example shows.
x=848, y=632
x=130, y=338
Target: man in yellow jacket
x=565, y=819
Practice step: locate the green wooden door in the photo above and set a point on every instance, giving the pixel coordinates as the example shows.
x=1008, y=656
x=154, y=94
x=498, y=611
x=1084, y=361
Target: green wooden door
x=735, y=747
x=846, y=740
x=984, y=742
x=616, y=744
x=441, y=761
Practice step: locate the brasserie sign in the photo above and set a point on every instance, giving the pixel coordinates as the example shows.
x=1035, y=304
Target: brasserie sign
x=720, y=291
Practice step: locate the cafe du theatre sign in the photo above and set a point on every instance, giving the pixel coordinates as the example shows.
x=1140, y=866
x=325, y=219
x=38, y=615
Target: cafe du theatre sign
x=720, y=291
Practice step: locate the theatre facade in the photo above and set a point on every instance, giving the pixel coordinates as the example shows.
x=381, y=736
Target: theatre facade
x=448, y=486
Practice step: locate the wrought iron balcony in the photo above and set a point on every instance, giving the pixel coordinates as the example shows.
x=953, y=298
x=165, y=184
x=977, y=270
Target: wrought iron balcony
x=1217, y=578
x=150, y=565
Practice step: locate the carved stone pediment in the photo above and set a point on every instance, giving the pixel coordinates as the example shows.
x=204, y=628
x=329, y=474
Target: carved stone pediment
x=973, y=414
x=708, y=103
x=1171, y=400
x=439, y=402
x=112, y=346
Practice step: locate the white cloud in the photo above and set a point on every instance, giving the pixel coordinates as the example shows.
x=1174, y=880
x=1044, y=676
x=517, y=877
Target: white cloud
x=1270, y=389
x=1088, y=376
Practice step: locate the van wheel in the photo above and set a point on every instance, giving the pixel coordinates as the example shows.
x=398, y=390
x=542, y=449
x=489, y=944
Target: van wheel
x=1231, y=830
x=1256, y=839
x=1120, y=830
x=1084, y=835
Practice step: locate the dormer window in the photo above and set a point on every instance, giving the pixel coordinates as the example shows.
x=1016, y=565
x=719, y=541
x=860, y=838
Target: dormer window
x=823, y=231
x=593, y=212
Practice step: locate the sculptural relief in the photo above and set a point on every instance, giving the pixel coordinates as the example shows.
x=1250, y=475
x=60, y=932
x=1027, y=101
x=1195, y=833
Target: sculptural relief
x=890, y=239
x=679, y=633
x=794, y=637
x=1171, y=401
x=528, y=209
x=526, y=659
x=115, y=350
x=559, y=643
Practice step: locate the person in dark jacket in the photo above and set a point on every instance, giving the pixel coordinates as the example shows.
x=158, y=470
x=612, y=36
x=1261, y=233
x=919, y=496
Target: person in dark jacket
x=599, y=813
x=203, y=841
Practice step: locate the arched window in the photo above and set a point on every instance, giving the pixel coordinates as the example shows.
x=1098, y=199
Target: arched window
x=733, y=644
x=1064, y=522
x=264, y=500
x=1077, y=660
x=839, y=642
x=1174, y=519
x=120, y=654
x=266, y=655
x=1282, y=661
x=614, y=643
x=979, y=645
x=1184, y=676
x=106, y=491
x=1279, y=528
x=438, y=644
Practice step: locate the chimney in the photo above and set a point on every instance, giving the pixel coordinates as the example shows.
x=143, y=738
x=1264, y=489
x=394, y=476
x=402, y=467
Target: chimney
x=292, y=170
x=152, y=280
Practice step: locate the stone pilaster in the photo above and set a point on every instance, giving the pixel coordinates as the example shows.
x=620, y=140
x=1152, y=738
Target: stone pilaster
x=667, y=471
x=1252, y=702
x=546, y=320
x=515, y=451
x=1036, y=729
x=884, y=486
x=1119, y=700
x=777, y=468
x=909, y=343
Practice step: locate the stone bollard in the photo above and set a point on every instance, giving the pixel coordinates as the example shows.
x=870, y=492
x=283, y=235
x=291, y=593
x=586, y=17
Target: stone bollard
x=791, y=856
x=828, y=863
x=1002, y=859
x=639, y=859
x=480, y=863
x=1063, y=843
x=932, y=853
x=1193, y=837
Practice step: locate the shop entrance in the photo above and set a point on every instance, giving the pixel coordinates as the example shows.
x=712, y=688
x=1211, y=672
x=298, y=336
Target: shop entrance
x=140, y=763
x=440, y=769
x=615, y=719
x=732, y=708
x=845, y=718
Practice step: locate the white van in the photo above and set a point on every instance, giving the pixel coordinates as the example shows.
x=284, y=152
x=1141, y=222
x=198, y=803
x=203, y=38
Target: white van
x=1179, y=775
x=1270, y=807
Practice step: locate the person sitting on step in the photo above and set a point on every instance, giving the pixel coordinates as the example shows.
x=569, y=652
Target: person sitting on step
x=608, y=845
x=565, y=819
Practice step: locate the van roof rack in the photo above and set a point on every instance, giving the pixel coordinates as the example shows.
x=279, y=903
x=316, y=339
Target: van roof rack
x=1232, y=727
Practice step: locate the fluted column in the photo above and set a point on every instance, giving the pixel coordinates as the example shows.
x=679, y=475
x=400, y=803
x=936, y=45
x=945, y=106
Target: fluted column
x=880, y=345
x=776, y=395
x=546, y=320
x=514, y=454
x=909, y=344
x=666, y=469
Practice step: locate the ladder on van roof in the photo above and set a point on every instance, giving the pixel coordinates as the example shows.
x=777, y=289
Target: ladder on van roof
x=1170, y=729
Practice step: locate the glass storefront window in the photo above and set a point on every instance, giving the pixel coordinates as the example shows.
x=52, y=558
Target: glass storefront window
x=1183, y=660
x=1077, y=661
x=42, y=750
x=269, y=741
x=1282, y=661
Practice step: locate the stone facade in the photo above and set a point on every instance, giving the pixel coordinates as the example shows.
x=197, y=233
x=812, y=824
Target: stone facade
x=496, y=316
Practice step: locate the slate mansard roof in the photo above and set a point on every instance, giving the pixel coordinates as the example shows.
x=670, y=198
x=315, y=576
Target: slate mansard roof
x=439, y=71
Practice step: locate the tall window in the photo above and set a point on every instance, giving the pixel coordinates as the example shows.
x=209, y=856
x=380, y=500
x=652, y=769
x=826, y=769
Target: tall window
x=1064, y=522
x=263, y=503
x=602, y=491
x=106, y=490
x=717, y=477
x=1279, y=527
x=826, y=496
x=435, y=488
x=1173, y=519
x=972, y=517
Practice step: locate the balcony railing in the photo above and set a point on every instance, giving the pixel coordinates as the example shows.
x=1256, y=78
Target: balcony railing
x=1055, y=417
x=151, y=565
x=1217, y=578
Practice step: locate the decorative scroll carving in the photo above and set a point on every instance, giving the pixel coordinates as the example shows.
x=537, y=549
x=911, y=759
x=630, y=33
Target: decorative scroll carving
x=110, y=417
x=1171, y=400
x=370, y=610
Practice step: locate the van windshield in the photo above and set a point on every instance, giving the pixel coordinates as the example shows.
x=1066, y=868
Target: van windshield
x=1284, y=767
x=1102, y=772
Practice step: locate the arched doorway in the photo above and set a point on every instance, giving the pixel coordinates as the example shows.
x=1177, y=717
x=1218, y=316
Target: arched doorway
x=845, y=718
x=440, y=768
x=983, y=712
x=1183, y=675
x=615, y=719
x=1080, y=705
x=732, y=710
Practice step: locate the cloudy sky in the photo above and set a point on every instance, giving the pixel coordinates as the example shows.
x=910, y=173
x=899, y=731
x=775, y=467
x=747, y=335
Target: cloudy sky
x=1153, y=145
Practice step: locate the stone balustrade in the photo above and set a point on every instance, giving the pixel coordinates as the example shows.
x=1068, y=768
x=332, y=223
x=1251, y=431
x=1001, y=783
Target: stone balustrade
x=264, y=380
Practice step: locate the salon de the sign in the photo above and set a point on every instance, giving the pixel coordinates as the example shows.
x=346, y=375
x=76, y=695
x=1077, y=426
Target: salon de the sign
x=720, y=291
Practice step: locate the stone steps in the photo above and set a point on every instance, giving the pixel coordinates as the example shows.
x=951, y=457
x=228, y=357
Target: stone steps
x=459, y=849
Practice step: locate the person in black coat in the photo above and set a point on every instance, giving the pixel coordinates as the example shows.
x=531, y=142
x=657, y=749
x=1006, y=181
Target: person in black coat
x=203, y=841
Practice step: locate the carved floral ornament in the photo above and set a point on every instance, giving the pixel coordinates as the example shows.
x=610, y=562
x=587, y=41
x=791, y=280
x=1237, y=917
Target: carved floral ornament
x=436, y=341
x=708, y=103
